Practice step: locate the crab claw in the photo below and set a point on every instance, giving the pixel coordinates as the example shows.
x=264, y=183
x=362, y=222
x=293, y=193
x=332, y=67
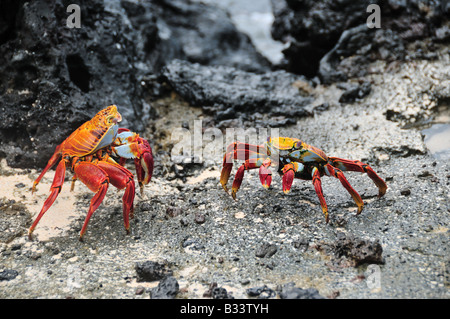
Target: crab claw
x=144, y=163
x=288, y=178
x=265, y=175
x=129, y=145
x=226, y=170
x=225, y=175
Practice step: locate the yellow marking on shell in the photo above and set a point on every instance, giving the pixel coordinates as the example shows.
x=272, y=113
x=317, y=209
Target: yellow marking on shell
x=88, y=136
x=284, y=143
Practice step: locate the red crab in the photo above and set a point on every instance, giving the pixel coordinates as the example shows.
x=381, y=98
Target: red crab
x=295, y=159
x=89, y=153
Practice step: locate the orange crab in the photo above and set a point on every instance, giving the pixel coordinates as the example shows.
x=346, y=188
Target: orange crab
x=295, y=159
x=89, y=152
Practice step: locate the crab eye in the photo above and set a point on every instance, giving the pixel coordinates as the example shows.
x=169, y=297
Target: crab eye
x=109, y=119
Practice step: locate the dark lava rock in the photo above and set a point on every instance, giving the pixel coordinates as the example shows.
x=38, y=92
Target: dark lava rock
x=192, y=31
x=289, y=291
x=313, y=29
x=146, y=206
x=199, y=218
x=8, y=274
x=166, y=289
x=355, y=92
x=220, y=293
x=425, y=174
x=217, y=292
x=151, y=271
x=355, y=49
x=405, y=192
x=266, y=250
x=229, y=92
x=172, y=211
x=301, y=244
x=358, y=251
x=193, y=243
x=262, y=292
x=54, y=78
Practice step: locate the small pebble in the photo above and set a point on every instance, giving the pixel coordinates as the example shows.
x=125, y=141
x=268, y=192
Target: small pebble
x=199, y=218
x=405, y=192
x=140, y=290
x=172, y=211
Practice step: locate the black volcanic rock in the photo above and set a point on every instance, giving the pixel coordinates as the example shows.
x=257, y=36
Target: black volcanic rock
x=231, y=92
x=331, y=38
x=194, y=32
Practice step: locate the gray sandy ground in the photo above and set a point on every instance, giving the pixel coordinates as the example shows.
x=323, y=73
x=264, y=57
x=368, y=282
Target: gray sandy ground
x=212, y=239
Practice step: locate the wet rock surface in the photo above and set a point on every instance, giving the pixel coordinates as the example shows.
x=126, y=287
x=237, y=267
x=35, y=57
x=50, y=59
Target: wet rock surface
x=229, y=93
x=151, y=271
x=312, y=28
x=194, y=241
x=194, y=32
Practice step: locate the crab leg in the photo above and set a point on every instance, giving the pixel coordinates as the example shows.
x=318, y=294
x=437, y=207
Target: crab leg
x=318, y=187
x=121, y=178
x=248, y=164
x=144, y=165
x=72, y=185
x=336, y=172
x=242, y=151
x=51, y=162
x=55, y=189
x=239, y=149
x=96, y=179
x=289, y=171
x=265, y=175
x=357, y=166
